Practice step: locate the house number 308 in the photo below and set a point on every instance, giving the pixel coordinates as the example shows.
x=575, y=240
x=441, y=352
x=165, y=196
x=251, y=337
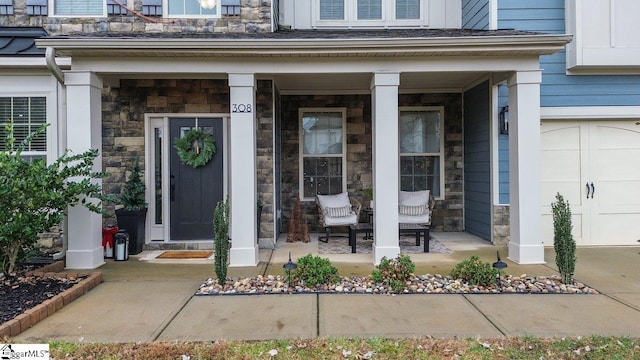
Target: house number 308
x=241, y=108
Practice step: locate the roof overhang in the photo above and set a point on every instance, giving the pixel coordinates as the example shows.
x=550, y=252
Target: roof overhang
x=508, y=45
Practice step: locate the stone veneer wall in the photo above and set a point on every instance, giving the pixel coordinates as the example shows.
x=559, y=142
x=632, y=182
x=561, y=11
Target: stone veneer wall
x=447, y=214
x=501, y=229
x=255, y=16
x=124, y=108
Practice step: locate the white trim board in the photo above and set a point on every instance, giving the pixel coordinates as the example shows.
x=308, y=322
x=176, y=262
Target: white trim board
x=590, y=112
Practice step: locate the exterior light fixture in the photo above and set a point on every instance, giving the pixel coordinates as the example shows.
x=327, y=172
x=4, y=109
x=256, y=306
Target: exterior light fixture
x=504, y=120
x=207, y=4
x=290, y=265
x=499, y=265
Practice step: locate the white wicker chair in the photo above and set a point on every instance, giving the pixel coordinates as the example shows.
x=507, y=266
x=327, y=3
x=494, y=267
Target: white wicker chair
x=415, y=207
x=337, y=210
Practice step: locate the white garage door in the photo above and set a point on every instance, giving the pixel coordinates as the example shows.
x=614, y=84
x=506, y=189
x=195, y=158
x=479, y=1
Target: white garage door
x=595, y=165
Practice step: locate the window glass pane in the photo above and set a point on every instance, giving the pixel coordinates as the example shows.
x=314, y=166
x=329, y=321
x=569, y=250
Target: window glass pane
x=369, y=9
x=79, y=7
x=407, y=9
x=331, y=9
x=322, y=133
x=420, y=173
x=189, y=7
x=420, y=132
x=28, y=115
x=322, y=175
x=157, y=152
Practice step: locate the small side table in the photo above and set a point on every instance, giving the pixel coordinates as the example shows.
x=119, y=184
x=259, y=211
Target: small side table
x=368, y=212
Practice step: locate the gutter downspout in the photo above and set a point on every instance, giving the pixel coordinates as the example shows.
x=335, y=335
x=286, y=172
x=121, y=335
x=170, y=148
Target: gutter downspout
x=50, y=59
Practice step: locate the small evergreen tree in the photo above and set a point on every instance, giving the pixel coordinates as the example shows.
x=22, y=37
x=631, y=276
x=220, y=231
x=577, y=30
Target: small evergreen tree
x=132, y=196
x=35, y=196
x=221, y=228
x=563, y=242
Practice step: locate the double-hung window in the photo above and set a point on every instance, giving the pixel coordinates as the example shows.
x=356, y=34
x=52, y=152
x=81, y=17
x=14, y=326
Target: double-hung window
x=370, y=13
x=322, y=151
x=192, y=8
x=422, y=149
x=28, y=115
x=79, y=8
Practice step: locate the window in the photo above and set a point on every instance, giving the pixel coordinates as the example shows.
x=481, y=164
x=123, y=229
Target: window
x=190, y=8
x=6, y=7
x=369, y=13
x=369, y=9
x=37, y=7
x=421, y=150
x=152, y=7
x=79, y=8
x=322, y=152
x=28, y=114
x=407, y=9
x=114, y=8
x=331, y=9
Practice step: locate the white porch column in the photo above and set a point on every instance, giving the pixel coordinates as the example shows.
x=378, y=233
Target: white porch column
x=84, y=132
x=384, y=96
x=525, y=245
x=244, y=240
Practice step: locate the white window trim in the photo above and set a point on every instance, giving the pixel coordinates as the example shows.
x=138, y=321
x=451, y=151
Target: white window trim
x=51, y=152
x=165, y=12
x=388, y=16
x=53, y=14
x=301, y=155
x=439, y=154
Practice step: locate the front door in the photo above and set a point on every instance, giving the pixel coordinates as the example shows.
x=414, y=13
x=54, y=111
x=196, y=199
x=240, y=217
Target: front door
x=194, y=192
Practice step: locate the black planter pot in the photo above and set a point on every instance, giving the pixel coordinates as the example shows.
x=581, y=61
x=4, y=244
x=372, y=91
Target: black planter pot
x=133, y=222
x=259, y=219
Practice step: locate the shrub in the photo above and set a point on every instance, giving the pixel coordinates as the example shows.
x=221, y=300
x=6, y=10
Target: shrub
x=132, y=196
x=221, y=229
x=314, y=270
x=563, y=242
x=34, y=196
x=394, y=273
x=475, y=272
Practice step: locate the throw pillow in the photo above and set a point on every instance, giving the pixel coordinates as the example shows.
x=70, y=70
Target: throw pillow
x=413, y=210
x=339, y=211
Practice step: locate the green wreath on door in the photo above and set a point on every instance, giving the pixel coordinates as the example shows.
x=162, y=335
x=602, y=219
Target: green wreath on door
x=196, y=148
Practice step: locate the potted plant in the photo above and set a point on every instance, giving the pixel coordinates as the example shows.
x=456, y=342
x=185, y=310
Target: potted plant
x=132, y=216
x=368, y=193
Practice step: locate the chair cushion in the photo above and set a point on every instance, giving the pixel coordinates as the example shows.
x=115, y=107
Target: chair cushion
x=339, y=221
x=413, y=198
x=338, y=211
x=419, y=219
x=334, y=201
x=413, y=210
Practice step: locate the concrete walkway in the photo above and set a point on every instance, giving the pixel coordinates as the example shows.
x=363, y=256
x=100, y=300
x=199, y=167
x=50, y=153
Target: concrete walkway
x=149, y=301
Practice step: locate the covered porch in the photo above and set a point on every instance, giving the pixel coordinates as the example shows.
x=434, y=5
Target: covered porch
x=373, y=76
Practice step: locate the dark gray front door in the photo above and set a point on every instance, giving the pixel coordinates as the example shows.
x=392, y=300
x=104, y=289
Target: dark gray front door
x=194, y=192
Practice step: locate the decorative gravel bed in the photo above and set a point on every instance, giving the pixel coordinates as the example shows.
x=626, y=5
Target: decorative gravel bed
x=422, y=284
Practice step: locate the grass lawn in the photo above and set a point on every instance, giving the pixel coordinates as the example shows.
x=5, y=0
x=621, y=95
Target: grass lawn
x=609, y=348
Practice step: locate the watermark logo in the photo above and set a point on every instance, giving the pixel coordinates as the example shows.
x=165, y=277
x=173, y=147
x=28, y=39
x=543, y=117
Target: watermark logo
x=24, y=351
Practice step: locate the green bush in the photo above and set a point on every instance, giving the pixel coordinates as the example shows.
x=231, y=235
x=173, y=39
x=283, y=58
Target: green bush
x=563, y=242
x=475, y=272
x=394, y=272
x=314, y=270
x=221, y=229
x=34, y=196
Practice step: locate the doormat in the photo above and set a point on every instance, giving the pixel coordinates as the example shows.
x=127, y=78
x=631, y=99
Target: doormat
x=185, y=254
x=340, y=245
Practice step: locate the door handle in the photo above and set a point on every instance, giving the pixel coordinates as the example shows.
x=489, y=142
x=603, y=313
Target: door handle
x=587, y=190
x=593, y=190
x=172, y=189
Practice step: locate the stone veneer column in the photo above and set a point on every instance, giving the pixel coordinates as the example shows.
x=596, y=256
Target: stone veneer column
x=243, y=201
x=84, y=132
x=384, y=97
x=525, y=245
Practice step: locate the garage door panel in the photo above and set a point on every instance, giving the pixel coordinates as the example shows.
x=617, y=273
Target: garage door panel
x=561, y=165
x=622, y=194
x=617, y=229
x=568, y=190
x=616, y=165
x=617, y=135
x=560, y=138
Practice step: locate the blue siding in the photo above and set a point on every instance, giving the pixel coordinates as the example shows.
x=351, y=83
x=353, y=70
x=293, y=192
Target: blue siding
x=477, y=161
x=557, y=88
x=475, y=14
